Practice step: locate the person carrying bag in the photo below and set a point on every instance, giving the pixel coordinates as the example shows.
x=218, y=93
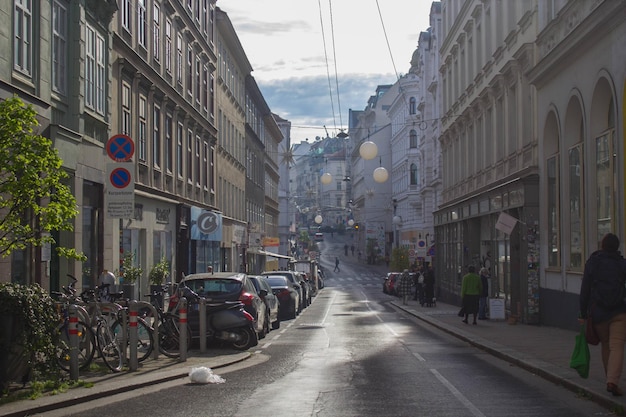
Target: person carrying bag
x=581, y=356
x=602, y=300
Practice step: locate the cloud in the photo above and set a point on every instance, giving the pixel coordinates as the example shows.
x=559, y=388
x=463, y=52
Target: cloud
x=306, y=101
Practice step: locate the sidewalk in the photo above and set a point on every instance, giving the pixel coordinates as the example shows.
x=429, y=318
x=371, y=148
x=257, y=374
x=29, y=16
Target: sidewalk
x=542, y=350
x=150, y=372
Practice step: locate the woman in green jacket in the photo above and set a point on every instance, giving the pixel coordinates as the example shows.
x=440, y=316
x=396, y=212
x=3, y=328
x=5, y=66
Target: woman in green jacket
x=471, y=288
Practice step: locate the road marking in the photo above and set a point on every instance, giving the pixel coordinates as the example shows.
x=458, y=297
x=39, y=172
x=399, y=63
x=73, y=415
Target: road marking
x=467, y=403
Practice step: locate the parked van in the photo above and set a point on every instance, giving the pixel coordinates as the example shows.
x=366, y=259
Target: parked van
x=319, y=237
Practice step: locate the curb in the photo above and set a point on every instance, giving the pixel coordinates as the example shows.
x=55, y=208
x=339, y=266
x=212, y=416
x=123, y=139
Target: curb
x=115, y=386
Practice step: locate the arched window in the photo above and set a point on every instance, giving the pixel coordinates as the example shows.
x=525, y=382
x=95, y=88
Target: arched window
x=413, y=139
x=413, y=174
x=412, y=106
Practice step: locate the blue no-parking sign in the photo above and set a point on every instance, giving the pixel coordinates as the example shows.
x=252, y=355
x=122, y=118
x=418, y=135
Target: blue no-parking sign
x=120, y=190
x=120, y=148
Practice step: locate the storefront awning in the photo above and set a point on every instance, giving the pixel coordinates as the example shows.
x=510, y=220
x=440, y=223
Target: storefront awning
x=274, y=255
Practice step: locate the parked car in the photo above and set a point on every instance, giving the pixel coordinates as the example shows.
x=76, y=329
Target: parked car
x=225, y=286
x=319, y=237
x=390, y=282
x=294, y=278
x=287, y=295
x=271, y=300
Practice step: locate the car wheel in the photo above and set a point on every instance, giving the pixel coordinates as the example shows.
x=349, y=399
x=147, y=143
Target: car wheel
x=266, y=325
x=276, y=324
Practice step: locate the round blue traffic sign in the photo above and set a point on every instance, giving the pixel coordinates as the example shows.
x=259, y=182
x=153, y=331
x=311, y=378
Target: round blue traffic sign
x=120, y=178
x=120, y=148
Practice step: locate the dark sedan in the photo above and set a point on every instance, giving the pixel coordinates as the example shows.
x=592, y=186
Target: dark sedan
x=293, y=277
x=227, y=286
x=287, y=295
x=271, y=300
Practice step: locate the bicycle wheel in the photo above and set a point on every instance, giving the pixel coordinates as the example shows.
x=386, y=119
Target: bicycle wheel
x=169, y=338
x=109, y=348
x=86, y=346
x=145, y=339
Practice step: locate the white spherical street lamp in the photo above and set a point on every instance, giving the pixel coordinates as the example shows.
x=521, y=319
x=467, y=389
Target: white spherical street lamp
x=351, y=222
x=326, y=178
x=319, y=219
x=368, y=150
x=380, y=174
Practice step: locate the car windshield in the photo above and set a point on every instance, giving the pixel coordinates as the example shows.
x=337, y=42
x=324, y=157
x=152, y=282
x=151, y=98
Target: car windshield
x=277, y=281
x=213, y=286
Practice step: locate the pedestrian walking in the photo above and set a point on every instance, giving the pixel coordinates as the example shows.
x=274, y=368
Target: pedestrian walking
x=482, y=301
x=471, y=288
x=404, y=287
x=352, y=249
x=419, y=287
x=336, y=265
x=429, y=287
x=602, y=302
x=345, y=249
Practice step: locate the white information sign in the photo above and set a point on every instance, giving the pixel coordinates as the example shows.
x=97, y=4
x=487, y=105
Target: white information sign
x=496, y=308
x=119, y=193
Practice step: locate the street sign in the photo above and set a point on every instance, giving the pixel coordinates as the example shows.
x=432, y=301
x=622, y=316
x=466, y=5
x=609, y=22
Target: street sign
x=120, y=190
x=120, y=148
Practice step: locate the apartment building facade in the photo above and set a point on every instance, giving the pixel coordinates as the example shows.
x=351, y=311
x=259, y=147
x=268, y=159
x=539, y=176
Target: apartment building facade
x=489, y=152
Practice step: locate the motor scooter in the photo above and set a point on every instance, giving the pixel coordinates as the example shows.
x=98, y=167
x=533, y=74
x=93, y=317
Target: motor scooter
x=225, y=321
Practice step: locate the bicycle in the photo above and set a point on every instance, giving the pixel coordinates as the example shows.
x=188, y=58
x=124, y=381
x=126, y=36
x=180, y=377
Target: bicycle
x=107, y=342
x=86, y=337
x=166, y=322
x=145, y=337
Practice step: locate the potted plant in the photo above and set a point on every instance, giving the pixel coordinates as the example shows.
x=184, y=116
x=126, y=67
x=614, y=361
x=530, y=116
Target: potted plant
x=130, y=275
x=158, y=274
x=28, y=320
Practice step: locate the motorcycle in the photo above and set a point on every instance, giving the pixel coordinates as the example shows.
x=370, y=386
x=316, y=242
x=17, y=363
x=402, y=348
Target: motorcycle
x=226, y=321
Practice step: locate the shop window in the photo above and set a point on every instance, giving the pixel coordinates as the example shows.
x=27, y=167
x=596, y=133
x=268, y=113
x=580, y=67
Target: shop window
x=553, y=231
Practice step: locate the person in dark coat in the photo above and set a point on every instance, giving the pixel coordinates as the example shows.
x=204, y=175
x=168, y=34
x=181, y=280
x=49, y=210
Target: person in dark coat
x=484, y=295
x=429, y=287
x=404, y=287
x=606, y=307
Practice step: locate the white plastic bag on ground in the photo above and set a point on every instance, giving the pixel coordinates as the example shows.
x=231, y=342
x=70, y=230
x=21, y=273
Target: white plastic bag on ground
x=204, y=375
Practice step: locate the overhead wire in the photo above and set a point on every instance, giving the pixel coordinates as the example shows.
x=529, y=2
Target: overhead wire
x=330, y=89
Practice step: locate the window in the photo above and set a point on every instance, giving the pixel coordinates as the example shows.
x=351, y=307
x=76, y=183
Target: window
x=189, y=155
x=553, y=231
x=605, y=180
x=168, y=143
x=413, y=139
x=179, y=150
x=126, y=110
x=198, y=79
x=412, y=105
x=95, y=78
x=205, y=164
x=59, y=47
x=189, y=70
x=576, y=208
x=156, y=32
x=179, y=59
x=413, y=174
x=156, y=137
x=23, y=36
x=212, y=96
x=141, y=132
x=126, y=14
x=198, y=176
x=168, y=46
x=141, y=23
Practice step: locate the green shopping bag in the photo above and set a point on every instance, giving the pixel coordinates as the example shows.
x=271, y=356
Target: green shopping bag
x=580, y=355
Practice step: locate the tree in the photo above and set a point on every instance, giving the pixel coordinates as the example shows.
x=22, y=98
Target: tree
x=34, y=200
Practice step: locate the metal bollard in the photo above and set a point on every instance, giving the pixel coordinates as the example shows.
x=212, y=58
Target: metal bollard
x=74, y=341
x=182, y=321
x=202, y=312
x=132, y=337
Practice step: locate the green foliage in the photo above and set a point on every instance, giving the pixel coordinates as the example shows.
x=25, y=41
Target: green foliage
x=399, y=259
x=34, y=200
x=304, y=237
x=130, y=272
x=35, y=319
x=159, y=272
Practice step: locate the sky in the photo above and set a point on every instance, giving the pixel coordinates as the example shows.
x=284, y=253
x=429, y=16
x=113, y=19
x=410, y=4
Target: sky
x=314, y=60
